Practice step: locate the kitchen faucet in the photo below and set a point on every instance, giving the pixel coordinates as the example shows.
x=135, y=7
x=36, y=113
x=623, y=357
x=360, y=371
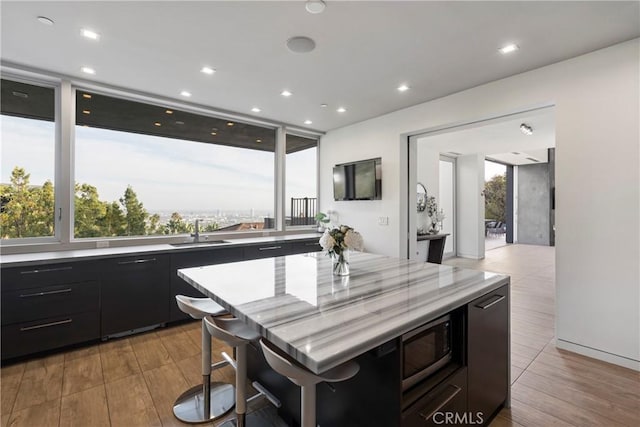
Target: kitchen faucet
x=196, y=234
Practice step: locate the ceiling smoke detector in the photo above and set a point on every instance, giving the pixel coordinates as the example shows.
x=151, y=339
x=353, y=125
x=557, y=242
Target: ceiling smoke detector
x=315, y=6
x=301, y=44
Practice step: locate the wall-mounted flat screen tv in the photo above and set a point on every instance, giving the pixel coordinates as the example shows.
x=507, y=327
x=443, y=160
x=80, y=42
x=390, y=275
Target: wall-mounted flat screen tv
x=360, y=180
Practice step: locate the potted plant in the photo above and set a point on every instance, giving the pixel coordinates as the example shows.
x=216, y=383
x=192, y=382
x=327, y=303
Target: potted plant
x=323, y=221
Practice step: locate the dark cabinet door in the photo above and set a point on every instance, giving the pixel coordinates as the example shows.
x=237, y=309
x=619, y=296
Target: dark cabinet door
x=135, y=293
x=305, y=246
x=488, y=351
x=195, y=259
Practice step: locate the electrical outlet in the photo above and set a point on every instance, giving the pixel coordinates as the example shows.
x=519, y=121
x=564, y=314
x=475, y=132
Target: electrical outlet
x=383, y=220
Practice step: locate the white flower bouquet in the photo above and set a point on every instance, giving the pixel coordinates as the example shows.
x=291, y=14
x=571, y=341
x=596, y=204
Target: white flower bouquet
x=336, y=242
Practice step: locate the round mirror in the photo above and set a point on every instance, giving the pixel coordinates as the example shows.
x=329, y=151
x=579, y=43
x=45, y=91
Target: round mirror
x=422, y=197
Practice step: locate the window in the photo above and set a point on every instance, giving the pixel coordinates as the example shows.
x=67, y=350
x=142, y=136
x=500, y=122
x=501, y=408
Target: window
x=28, y=135
x=301, y=180
x=143, y=169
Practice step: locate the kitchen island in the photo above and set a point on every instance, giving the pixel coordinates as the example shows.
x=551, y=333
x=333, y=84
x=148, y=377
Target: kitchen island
x=323, y=320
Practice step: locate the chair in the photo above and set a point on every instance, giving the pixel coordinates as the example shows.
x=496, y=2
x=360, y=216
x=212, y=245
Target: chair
x=307, y=380
x=237, y=334
x=208, y=401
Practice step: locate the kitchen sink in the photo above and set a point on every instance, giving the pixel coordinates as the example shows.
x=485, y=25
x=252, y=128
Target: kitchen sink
x=202, y=243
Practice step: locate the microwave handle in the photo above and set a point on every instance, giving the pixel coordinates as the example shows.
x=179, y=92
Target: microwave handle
x=490, y=302
x=441, y=405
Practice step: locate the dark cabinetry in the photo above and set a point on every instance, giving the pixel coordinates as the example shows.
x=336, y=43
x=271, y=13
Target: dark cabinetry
x=49, y=306
x=194, y=259
x=488, y=352
x=135, y=293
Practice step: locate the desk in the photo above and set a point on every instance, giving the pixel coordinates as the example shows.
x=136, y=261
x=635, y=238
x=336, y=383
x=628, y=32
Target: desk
x=436, y=246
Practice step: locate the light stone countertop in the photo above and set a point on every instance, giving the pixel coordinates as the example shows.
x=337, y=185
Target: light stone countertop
x=323, y=320
x=36, y=258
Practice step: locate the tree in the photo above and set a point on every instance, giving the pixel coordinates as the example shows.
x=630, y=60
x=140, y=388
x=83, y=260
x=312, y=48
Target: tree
x=22, y=215
x=135, y=213
x=495, y=197
x=177, y=225
x=89, y=212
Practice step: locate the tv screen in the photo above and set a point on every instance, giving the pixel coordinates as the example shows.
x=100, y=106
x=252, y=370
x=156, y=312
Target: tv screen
x=358, y=180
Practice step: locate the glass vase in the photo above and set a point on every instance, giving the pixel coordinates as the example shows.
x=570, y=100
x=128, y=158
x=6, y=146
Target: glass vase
x=341, y=263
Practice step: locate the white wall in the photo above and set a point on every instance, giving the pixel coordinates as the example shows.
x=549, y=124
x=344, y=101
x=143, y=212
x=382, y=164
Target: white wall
x=597, y=181
x=470, y=206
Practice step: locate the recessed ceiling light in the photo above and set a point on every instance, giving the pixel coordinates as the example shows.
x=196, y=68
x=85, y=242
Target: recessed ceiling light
x=509, y=48
x=89, y=34
x=308, y=122
x=86, y=111
x=230, y=123
x=214, y=133
x=207, y=70
x=258, y=141
x=185, y=93
x=323, y=105
x=179, y=122
x=168, y=111
x=301, y=44
x=286, y=93
x=403, y=88
x=86, y=95
x=341, y=110
x=158, y=124
x=44, y=20
x=88, y=70
x=315, y=6
x=256, y=110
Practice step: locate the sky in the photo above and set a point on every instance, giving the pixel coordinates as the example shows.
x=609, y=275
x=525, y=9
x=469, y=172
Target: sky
x=167, y=174
x=492, y=169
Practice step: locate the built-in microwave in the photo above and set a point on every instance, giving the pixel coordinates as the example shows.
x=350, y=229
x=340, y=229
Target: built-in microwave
x=425, y=350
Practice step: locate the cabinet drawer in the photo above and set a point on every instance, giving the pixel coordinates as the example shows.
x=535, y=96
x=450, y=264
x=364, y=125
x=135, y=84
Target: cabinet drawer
x=31, y=337
x=448, y=399
x=267, y=250
x=19, y=278
x=304, y=247
x=50, y=301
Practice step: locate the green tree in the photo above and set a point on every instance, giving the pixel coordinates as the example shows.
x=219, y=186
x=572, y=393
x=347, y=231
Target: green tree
x=495, y=197
x=114, y=223
x=177, y=225
x=23, y=207
x=135, y=214
x=153, y=225
x=89, y=212
x=210, y=227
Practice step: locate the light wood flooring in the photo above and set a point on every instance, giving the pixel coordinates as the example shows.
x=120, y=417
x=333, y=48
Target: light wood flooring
x=134, y=381
x=552, y=387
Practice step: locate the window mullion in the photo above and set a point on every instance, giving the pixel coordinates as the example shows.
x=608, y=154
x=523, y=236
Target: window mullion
x=65, y=119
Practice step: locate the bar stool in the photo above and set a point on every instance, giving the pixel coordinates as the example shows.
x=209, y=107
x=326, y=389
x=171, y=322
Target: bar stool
x=307, y=380
x=237, y=334
x=208, y=401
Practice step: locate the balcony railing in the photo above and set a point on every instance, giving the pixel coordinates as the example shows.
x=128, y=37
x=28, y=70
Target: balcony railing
x=303, y=211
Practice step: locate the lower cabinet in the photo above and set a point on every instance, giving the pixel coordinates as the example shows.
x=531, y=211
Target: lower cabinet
x=49, y=306
x=488, y=352
x=194, y=259
x=446, y=402
x=135, y=293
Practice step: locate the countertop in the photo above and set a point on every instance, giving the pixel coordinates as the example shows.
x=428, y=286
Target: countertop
x=26, y=259
x=322, y=320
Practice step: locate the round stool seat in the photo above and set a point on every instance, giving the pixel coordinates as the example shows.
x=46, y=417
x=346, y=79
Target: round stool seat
x=284, y=365
x=232, y=331
x=199, y=307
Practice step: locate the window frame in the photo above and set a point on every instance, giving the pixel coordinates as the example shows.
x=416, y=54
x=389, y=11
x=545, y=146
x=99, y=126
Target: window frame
x=65, y=88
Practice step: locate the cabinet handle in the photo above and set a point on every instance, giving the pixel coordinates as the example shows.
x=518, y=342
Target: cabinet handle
x=269, y=248
x=46, y=325
x=486, y=305
x=41, y=294
x=312, y=244
x=446, y=400
x=47, y=270
x=137, y=261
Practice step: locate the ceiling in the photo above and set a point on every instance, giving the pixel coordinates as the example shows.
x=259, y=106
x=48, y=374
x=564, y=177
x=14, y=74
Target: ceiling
x=500, y=139
x=364, y=50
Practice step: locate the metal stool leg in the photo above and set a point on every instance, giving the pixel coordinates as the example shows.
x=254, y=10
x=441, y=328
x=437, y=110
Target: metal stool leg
x=208, y=401
x=308, y=406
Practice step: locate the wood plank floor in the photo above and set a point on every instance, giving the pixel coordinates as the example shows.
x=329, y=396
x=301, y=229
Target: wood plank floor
x=552, y=387
x=133, y=381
